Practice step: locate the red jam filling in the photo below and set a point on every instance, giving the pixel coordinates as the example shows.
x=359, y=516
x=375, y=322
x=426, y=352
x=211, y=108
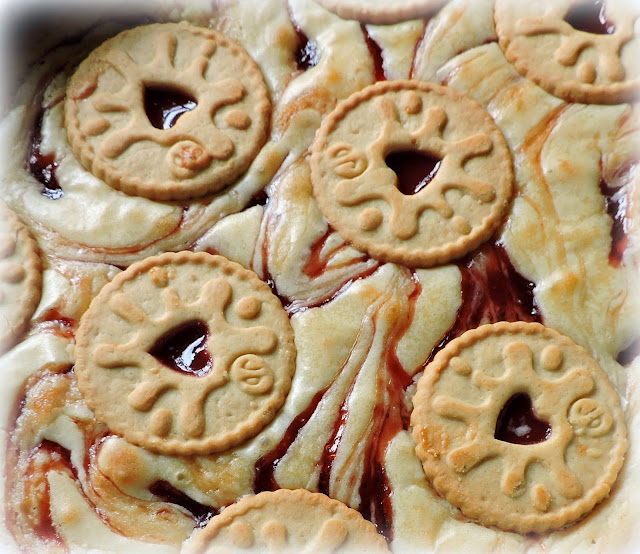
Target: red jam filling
x=43, y=166
x=168, y=493
x=415, y=170
x=164, y=105
x=518, y=423
x=306, y=55
x=590, y=17
x=184, y=349
x=376, y=56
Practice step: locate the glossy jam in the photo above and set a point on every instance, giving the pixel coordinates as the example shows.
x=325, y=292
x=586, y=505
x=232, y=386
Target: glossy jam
x=492, y=291
x=306, y=54
x=43, y=166
x=616, y=204
x=168, y=493
x=590, y=17
x=376, y=56
x=164, y=105
x=415, y=170
x=519, y=424
x=184, y=349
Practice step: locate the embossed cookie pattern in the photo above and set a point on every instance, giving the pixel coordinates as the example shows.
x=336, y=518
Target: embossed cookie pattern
x=289, y=521
x=185, y=353
x=581, y=51
x=20, y=277
x=200, y=150
x=468, y=191
x=529, y=465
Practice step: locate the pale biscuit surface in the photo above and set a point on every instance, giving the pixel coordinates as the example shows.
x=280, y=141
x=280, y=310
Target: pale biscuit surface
x=205, y=149
x=185, y=353
x=553, y=466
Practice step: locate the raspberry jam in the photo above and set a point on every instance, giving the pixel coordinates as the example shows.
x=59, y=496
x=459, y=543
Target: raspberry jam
x=43, y=166
x=306, y=55
x=590, y=17
x=184, y=349
x=415, y=170
x=164, y=105
x=518, y=423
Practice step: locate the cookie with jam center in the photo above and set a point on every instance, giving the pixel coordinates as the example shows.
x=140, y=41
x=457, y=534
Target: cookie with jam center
x=167, y=111
x=518, y=427
x=581, y=51
x=185, y=353
x=412, y=172
x=20, y=277
x=290, y=521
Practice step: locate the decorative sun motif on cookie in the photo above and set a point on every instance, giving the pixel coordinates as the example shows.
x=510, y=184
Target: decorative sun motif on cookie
x=238, y=347
x=551, y=398
x=518, y=427
x=185, y=353
x=367, y=145
x=573, y=42
x=379, y=181
x=201, y=144
x=287, y=520
x=192, y=148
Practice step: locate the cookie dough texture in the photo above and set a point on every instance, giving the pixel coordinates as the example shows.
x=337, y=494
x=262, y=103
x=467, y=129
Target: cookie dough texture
x=382, y=12
x=288, y=521
x=518, y=487
x=358, y=193
x=123, y=338
x=206, y=149
x=573, y=64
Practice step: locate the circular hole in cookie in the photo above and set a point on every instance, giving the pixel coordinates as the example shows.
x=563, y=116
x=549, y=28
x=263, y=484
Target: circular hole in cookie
x=414, y=169
x=518, y=422
x=184, y=348
x=164, y=105
x=589, y=16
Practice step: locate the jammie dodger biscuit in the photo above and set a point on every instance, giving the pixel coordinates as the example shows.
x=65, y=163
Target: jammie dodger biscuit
x=518, y=427
x=288, y=521
x=167, y=111
x=581, y=51
x=185, y=353
x=20, y=277
x=412, y=172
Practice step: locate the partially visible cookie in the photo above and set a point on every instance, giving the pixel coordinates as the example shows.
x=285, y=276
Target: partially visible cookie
x=167, y=111
x=581, y=51
x=412, y=172
x=382, y=12
x=518, y=427
x=185, y=353
x=288, y=521
x=20, y=277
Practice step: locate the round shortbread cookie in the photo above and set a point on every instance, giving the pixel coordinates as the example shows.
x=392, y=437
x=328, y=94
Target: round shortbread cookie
x=290, y=521
x=579, y=51
x=462, y=197
x=185, y=353
x=167, y=111
x=382, y=12
x=20, y=277
x=518, y=427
